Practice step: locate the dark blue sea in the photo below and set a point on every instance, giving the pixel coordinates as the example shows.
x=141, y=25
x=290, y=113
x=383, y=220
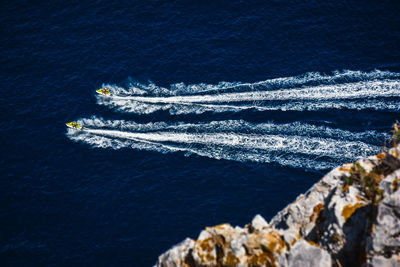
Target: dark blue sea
x=219, y=110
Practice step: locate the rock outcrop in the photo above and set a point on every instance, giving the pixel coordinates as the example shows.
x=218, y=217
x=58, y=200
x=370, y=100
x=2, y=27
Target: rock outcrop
x=351, y=217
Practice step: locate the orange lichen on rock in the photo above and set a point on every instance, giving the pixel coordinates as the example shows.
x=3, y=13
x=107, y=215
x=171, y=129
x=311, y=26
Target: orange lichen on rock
x=349, y=210
x=395, y=153
x=360, y=198
x=206, y=244
x=345, y=168
x=273, y=242
x=231, y=260
x=262, y=259
x=206, y=248
x=395, y=184
x=264, y=248
x=345, y=188
x=298, y=236
x=219, y=246
x=381, y=156
x=312, y=243
x=317, y=210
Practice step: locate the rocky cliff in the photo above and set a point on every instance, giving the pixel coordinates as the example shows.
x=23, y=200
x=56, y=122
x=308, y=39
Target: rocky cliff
x=351, y=217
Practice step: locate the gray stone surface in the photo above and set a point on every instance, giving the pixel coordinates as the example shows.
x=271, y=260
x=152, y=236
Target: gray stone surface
x=176, y=255
x=258, y=223
x=304, y=254
x=384, y=244
x=332, y=223
x=384, y=262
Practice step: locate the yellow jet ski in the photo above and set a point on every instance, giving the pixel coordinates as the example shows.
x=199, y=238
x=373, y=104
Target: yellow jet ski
x=74, y=125
x=104, y=91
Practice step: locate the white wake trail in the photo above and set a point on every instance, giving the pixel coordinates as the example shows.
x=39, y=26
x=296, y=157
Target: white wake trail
x=342, y=91
x=259, y=143
x=238, y=126
x=375, y=94
x=317, y=78
x=305, y=145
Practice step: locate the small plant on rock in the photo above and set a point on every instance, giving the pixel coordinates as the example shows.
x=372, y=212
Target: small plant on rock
x=369, y=181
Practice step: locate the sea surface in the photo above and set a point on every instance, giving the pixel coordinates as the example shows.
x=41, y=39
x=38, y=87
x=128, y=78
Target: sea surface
x=220, y=110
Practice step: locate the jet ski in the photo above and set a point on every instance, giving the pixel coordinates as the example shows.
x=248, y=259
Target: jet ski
x=74, y=125
x=104, y=91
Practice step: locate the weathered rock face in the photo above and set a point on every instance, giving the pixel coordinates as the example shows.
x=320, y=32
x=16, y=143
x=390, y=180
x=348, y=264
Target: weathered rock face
x=306, y=254
x=351, y=217
x=383, y=246
x=256, y=244
x=178, y=255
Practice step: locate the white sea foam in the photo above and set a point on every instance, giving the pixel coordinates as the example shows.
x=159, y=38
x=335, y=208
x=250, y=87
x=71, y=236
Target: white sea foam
x=238, y=126
x=371, y=94
x=295, y=144
x=314, y=78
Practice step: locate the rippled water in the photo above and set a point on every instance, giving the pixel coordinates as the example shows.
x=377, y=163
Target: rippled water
x=298, y=144
x=219, y=111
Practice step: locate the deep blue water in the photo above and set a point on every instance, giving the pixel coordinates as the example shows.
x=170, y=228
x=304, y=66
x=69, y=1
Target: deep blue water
x=177, y=165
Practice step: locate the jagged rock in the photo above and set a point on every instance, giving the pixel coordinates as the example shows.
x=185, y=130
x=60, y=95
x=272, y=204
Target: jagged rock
x=391, y=183
x=384, y=262
x=339, y=214
x=351, y=217
x=213, y=245
x=223, y=245
x=298, y=218
x=177, y=255
x=384, y=244
x=327, y=215
x=258, y=223
x=306, y=254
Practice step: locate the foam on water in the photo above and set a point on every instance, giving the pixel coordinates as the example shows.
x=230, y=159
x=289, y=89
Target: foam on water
x=295, y=144
x=239, y=126
x=379, y=91
x=198, y=108
x=314, y=78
